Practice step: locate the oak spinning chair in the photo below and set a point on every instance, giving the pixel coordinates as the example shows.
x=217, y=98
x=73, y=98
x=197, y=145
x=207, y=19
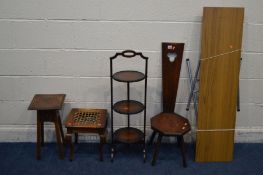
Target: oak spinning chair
x=168, y=123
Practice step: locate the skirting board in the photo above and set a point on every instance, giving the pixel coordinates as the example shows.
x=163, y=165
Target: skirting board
x=27, y=133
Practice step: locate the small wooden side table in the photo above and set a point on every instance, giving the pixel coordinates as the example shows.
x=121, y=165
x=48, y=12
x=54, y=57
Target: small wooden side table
x=86, y=121
x=48, y=106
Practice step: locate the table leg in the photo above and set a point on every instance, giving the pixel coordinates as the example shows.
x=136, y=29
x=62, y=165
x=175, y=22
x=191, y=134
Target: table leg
x=39, y=134
x=157, y=147
x=60, y=126
x=152, y=138
x=68, y=139
x=112, y=150
x=59, y=137
x=144, y=152
x=178, y=141
x=76, y=137
x=182, y=147
x=42, y=132
x=102, y=142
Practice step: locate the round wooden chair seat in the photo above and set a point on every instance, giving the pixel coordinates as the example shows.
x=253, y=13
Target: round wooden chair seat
x=170, y=124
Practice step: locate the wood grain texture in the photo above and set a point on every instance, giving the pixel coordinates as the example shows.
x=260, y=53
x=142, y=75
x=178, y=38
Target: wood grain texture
x=47, y=102
x=171, y=74
x=222, y=30
x=214, y=146
x=218, y=92
x=170, y=124
x=219, y=78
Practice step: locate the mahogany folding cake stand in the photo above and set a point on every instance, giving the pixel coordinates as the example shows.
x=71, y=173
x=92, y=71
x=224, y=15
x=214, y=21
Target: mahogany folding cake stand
x=128, y=107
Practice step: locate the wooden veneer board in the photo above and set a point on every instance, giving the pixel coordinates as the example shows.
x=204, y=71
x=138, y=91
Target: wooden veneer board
x=214, y=146
x=221, y=41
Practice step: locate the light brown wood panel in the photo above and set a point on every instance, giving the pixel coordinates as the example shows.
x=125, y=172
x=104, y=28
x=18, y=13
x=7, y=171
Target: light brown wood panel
x=220, y=63
x=222, y=29
x=218, y=92
x=219, y=77
x=213, y=146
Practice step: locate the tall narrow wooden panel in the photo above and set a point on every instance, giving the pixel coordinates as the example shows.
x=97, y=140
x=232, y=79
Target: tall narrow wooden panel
x=172, y=55
x=219, y=77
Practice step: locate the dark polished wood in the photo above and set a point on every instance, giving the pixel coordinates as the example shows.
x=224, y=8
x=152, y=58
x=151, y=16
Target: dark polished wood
x=128, y=54
x=168, y=123
x=128, y=76
x=157, y=149
x=82, y=120
x=47, y=102
x=180, y=140
x=48, y=106
x=128, y=107
x=128, y=135
x=171, y=74
x=152, y=138
x=68, y=140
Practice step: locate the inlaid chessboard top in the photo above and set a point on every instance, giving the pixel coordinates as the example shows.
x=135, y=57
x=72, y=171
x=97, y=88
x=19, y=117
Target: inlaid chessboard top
x=87, y=118
x=47, y=102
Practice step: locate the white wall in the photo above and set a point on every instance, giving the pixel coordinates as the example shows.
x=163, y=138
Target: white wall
x=63, y=46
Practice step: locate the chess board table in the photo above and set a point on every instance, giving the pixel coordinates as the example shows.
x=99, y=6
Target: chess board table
x=82, y=120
